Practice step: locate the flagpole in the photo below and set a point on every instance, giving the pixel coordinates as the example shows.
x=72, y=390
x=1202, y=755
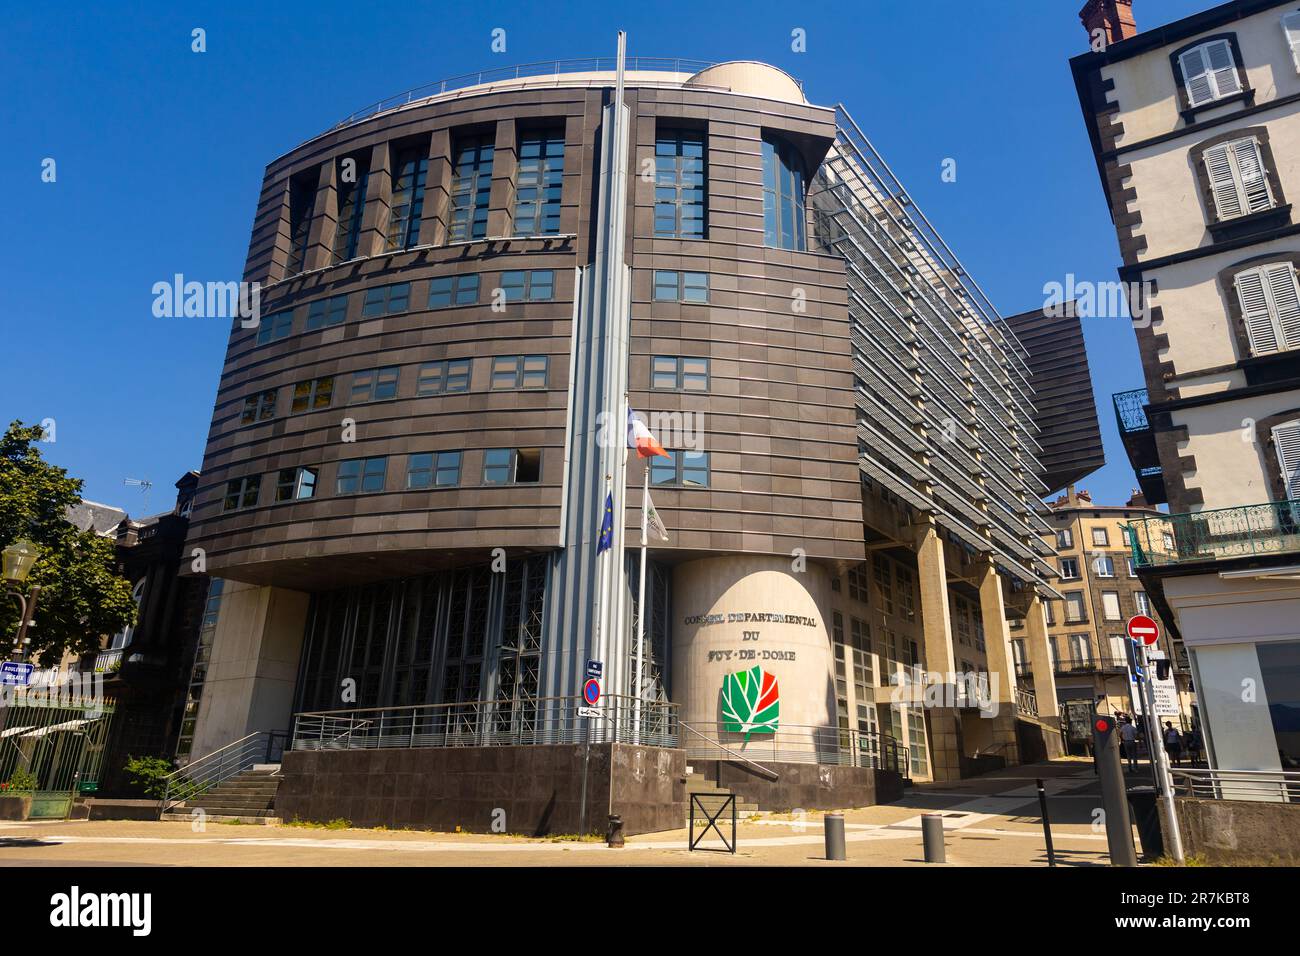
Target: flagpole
x=640, y=604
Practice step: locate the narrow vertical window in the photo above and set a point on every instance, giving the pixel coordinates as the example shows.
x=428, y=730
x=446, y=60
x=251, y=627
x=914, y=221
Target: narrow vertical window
x=680, y=192
x=408, y=198
x=471, y=188
x=351, y=205
x=539, y=182
x=783, y=196
x=1286, y=444
x=302, y=200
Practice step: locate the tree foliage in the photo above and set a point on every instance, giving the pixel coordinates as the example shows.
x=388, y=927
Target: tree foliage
x=83, y=597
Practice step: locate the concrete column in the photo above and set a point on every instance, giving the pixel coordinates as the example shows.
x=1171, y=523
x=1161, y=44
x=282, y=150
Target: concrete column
x=435, y=227
x=324, y=219
x=1002, y=669
x=254, y=666
x=945, y=736
x=505, y=161
x=379, y=199
x=1040, y=663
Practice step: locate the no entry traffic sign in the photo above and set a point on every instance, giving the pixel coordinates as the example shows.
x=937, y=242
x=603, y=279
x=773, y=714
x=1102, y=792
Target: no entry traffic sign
x=1144, y=629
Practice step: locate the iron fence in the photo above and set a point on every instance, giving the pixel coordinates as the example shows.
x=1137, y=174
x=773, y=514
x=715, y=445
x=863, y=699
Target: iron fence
x=1270, y=786
x=54, y=740
x=793, y=743
x=537, y=721
x=1272, y=528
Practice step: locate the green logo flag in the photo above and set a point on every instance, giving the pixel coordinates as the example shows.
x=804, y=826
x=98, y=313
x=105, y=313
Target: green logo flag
x=751, y=702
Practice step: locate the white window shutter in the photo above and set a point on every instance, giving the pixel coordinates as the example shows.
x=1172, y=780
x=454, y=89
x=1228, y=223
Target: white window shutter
x=1196, y=77
x=1291, y=28
x=1286, y=443
x=1250, y=169
x=1227, y=199
x=1286, y=302
x=1223, y=68
x=1254, y=310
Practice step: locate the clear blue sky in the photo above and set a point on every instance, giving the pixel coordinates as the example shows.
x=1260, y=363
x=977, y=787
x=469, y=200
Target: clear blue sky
x=160, y=153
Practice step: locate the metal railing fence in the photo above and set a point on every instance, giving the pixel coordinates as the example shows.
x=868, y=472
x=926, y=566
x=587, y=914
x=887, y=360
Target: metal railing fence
x=1267, y=786
x=793, y=743
x=527, y=722
x=1248, y=530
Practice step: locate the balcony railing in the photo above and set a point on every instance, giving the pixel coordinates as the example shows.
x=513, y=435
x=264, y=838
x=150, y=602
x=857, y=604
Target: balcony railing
x=1130, y=411
x=1261, y=530
x=108, y=662
x=1088, y=664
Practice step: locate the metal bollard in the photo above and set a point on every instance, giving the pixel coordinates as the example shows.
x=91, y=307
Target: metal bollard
x=615, y=837
x=932, y=837
x=834, y=826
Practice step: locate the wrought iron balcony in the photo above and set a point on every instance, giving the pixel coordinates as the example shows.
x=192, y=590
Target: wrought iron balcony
x=1264, y=530
x=1140, y=443
x=1089, y=664
x=1131, y=412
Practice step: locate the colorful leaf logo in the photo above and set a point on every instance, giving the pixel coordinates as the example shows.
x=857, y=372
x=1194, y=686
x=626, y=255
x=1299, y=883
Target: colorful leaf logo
x=751, y=702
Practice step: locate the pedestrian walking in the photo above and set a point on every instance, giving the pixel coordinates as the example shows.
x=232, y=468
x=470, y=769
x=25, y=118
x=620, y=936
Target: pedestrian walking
x=1128, y=742
x=1173, y=743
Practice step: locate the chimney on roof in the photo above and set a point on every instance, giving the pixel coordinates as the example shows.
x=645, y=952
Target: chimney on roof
x=1108, y=21
x=1085, y=496
x=1137, y=499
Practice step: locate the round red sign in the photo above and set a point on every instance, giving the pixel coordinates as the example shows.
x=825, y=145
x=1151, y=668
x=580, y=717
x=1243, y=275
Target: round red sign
x=1144, y=629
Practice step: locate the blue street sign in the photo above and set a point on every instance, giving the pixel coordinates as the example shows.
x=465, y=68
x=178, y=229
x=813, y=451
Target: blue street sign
x=14, y=674
x=595, y=668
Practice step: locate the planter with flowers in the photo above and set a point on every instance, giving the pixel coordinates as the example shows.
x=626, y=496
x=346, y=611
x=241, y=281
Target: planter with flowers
x=16, y=795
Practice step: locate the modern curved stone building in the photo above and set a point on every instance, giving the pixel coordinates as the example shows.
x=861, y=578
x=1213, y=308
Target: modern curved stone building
x=463, y=291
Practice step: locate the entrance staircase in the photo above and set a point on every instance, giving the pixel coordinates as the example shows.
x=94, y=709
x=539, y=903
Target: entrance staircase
x=696, y=782
x=247, y=797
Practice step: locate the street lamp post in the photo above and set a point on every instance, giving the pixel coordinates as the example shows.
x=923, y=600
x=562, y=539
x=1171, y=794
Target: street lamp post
x=19, y=558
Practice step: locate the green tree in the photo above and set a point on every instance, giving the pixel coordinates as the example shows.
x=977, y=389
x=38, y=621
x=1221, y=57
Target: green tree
x=82, y=595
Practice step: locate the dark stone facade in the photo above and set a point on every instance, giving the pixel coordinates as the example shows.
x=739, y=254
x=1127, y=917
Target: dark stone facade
x=538, y=788
x=804, y=786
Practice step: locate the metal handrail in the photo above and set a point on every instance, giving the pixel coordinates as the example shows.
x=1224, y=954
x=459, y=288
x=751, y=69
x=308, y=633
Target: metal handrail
x=765, y=771
x=1263, y=529
x=538, y=69
x=802, y=743
x=1271, y=786
x=199, y=776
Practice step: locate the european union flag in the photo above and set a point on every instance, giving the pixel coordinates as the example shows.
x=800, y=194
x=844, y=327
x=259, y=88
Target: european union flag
x=606, y=540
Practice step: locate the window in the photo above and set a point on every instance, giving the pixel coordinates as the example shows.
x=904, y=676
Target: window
x=1132, y=571
x=302, y=200
x=275, y=327
x=407, y=205
x=679, y=373
x=783, y=194
x=353, y=177
x=538, y=183
x=1143, y=602
x=906, y=592
x=326, y=312
x=519, y=371
x=1064, y=539
x=1110, y=605
x=681, y=286
x=1074, y=607
x=1049, y=611
x=433, y=469
x=679, y=184
x=1104, y=566
x=1286, y=444
x=1237, y=178
x=1069, y=568
x=471, y=188
x=1291, y=29
x=386, y=299
x=1080, y=649
x=374, y=384
x=858, y=583
x=361, y=474
x=317, y=393
x=535, y=286
x=685, y=469
x=1270, y=307
x=258, y=407
x=884, y=583
x=1209, y=72
x=437, y=378
x=1100, y=538
x=512, y=466
x=453, y=290
x=295, y=483
x=242, y=493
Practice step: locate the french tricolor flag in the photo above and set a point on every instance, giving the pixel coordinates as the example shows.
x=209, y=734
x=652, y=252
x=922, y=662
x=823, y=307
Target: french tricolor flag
x=639, y=437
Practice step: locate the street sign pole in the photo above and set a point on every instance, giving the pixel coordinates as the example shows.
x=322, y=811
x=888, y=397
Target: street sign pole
x=1161, y=758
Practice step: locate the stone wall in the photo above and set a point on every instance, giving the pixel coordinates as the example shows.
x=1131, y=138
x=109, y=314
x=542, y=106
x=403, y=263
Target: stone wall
x=1238, y=832
x=804, y=786
x=539, y=789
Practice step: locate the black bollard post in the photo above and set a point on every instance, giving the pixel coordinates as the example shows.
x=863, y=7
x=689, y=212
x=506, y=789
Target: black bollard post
x=615, y=837
x=833, y=823
x=932, y=838
x=1047, y=823
x=1114, y=797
